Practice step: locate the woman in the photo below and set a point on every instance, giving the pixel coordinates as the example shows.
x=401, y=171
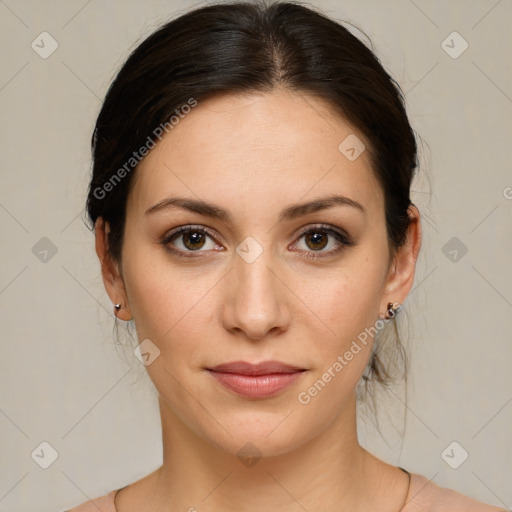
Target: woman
x=250, y=201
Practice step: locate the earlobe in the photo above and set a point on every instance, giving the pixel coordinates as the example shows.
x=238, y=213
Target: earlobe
x=112, y=278
x=123, y=315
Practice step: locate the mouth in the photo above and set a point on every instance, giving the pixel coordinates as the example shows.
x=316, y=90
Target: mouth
x=255, y=381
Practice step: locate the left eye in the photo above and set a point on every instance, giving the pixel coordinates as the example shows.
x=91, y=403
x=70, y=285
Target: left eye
x=316, y=239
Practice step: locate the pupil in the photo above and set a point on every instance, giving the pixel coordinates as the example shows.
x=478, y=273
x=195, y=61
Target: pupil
x=317, y=239
x=194, y=238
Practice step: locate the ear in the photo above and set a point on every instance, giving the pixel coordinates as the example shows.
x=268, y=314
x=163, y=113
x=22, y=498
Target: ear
x=403, y=266
x=112, y=278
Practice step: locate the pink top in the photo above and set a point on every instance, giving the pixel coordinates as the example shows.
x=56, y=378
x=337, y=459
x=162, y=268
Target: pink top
x=423, y=496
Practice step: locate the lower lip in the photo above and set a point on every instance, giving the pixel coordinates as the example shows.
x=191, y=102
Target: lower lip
x=256, y=386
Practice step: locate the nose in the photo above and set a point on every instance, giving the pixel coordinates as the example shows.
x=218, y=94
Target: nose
x=256, y=299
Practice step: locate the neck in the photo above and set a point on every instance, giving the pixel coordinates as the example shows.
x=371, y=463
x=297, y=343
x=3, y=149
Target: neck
x=331, y=471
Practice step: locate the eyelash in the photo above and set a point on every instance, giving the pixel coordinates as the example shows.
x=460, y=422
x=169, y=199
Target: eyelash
x=343, y=240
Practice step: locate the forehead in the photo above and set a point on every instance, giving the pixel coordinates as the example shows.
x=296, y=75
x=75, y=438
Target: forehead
x=257, y=149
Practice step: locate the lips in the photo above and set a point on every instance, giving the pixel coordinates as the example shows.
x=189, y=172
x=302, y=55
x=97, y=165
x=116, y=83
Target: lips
x=256, y=380
x=264, y=368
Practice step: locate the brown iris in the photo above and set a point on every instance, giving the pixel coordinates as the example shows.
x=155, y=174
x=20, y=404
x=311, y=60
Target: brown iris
x=318, y=238
x=195, y=238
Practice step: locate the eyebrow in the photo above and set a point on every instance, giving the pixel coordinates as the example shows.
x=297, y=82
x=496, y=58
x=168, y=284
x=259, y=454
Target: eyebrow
x=289, y=213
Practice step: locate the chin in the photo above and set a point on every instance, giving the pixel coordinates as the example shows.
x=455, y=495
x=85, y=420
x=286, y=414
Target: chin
x=261, y=434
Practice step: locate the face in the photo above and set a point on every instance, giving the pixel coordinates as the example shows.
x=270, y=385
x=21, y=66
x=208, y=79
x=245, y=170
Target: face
x=253, y=278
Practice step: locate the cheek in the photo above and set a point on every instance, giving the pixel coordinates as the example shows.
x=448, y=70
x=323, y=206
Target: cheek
x=167, y=303
x=348, y=303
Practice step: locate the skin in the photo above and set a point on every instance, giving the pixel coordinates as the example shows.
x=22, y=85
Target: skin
x=255, y=155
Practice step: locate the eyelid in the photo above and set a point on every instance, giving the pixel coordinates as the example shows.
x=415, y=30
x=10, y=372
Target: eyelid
x=343, y=239
x=187, y=228
x=347, y=239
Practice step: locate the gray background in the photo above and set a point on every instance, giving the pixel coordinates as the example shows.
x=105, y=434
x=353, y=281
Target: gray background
x=64, y=382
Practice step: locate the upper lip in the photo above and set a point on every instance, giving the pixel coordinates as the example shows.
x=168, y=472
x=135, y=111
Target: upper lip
x=263, y=368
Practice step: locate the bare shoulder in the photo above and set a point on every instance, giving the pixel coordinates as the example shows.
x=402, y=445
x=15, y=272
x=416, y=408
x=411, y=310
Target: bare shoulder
x=453, y=501
x=426, y=496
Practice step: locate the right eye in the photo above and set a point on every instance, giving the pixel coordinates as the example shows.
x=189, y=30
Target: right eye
x=191, y=239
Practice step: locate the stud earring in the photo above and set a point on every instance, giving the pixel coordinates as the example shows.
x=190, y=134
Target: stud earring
x=393, y=307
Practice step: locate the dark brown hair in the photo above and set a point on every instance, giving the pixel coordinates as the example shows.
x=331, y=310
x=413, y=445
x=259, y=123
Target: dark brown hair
x=243, y=47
